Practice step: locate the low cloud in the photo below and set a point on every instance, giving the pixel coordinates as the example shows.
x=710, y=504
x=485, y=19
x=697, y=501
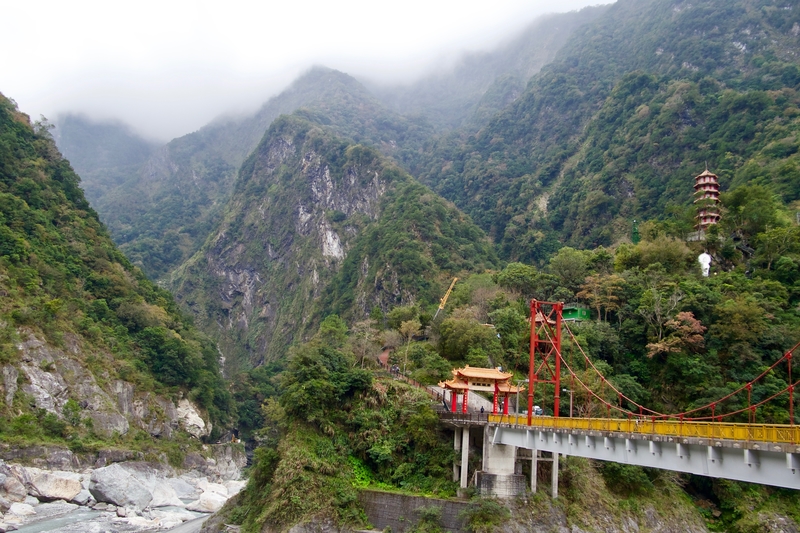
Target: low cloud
x=168, y=68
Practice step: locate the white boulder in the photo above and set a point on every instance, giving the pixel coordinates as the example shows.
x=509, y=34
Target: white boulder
x=234, y=487
x=164, y=495
x=83, y=497
x=209, y=502
x=182, y=488
x=218, y=488
x=21, y=509
x=53, y=485
x=14, y=489
x=133, y=484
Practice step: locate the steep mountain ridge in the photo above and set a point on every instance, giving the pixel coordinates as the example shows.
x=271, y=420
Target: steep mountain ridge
x=559, y=163
x=162, y=210
x=90, y=349
x=305, y=202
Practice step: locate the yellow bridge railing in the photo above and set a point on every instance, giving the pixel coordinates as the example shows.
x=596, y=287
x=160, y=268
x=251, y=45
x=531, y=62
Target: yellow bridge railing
x=777, y=433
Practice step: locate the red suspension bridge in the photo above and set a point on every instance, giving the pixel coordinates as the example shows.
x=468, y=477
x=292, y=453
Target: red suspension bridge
x=547, y=360
x=710, y=439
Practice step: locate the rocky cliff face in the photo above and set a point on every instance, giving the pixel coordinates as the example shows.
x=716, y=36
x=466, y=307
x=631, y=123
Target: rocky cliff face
x=305, y=200
x=48, y=377
x=289, y=226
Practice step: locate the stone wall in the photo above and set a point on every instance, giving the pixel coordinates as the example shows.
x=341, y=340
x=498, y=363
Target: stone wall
x=399, y=512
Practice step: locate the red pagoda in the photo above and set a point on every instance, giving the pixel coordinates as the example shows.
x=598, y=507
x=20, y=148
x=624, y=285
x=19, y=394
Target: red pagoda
x=706, y=189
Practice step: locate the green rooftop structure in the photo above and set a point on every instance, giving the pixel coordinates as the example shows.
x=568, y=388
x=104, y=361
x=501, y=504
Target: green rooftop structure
x=576, y=312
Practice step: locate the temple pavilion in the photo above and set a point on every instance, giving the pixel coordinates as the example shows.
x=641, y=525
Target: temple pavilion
x=480, y=379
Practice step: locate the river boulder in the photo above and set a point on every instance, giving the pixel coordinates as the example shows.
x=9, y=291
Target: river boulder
x=209, y=502
x=51, y=486
x=133, y=484
x=116, y=484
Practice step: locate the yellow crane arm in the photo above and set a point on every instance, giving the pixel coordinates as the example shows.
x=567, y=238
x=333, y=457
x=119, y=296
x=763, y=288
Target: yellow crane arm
x=443, y=301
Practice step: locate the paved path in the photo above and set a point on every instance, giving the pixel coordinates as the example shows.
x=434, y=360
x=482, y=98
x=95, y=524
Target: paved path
x=192, y=526
x=474, y=401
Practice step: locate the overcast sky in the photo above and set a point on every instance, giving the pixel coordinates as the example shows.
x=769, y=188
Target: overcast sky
x=168, y=67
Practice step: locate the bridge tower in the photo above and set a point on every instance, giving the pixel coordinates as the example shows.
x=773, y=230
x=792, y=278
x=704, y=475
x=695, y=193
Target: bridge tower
x=546, y=318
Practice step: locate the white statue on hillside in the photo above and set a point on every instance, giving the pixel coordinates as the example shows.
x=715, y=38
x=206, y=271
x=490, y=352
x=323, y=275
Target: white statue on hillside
x=705, y=263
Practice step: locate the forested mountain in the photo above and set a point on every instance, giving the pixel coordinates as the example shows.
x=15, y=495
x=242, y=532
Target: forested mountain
x=83, y=333
x=482, y=83
x=161, y=203
x=303, y=251
x=160, y=210
x=315, y=218
x=616, y=127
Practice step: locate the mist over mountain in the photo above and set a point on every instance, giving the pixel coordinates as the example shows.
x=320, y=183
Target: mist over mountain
x=480, y=84
x=160, y=209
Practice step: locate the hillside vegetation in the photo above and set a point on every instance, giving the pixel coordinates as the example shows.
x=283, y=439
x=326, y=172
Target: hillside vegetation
x=616, y=127
x=74, y=309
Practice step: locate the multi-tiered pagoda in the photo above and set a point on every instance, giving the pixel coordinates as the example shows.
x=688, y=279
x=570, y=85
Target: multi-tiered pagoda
x=706, y=189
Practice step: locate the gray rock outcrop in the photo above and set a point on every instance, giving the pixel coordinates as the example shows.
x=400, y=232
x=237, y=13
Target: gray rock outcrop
x=191, y=421
x=51, y=376
x=116, y=484
x=135, y=484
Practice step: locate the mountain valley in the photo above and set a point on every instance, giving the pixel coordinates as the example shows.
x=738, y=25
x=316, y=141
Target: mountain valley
x=261, y=264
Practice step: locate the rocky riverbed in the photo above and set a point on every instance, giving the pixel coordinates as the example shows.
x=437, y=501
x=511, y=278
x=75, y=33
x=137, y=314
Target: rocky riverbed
x=127, y=496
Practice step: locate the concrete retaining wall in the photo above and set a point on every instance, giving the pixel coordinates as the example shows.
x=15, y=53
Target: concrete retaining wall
x=400, y=512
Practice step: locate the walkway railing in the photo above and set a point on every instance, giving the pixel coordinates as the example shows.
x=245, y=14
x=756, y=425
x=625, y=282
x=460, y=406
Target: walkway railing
x=464, y=418
x=777, y=433
x=397, y=375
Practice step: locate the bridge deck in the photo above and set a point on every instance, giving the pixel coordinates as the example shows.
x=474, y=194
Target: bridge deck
x=786, y=437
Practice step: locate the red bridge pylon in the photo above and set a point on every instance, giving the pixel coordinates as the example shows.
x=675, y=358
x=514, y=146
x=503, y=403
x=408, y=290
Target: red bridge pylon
x=545, y=351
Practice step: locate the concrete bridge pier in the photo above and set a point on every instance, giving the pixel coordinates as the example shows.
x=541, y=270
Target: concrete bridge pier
x=461, y=443
x=464, y=457
x=457, y=447
x=498, y=475
x=554, y=477
x=536, y=458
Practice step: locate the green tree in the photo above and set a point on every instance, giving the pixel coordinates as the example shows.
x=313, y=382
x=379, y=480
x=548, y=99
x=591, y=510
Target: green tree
x=408, y=329
x=602, y=292
x=570, y=266
x=657, y=306
x=776, y=242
